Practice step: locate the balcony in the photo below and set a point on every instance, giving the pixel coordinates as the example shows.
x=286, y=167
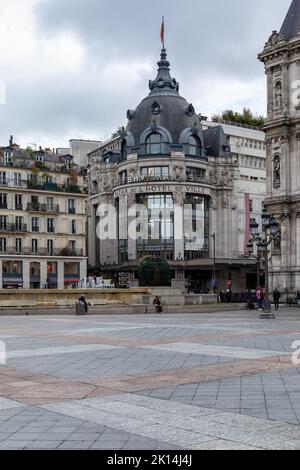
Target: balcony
x=26, y=251
x=3, y=205
x=16, y=228
x=40, y=186
x=19, y=207
x=72, y=210
x=37, y=207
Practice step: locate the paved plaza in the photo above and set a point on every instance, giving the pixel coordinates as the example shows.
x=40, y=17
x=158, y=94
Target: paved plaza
x=159, y=382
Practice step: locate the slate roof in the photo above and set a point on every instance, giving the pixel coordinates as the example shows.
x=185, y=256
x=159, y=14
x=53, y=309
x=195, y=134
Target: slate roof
x=291, y=24
x=216, y=143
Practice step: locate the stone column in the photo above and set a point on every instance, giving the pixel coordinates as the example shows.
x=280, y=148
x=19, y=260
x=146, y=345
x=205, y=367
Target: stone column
x=83, y=269
x=285, y=88
x=270, y=93
x=178, y=199
x=43, y=272
x=26, y=274
x=127, y=220
x=60, y=274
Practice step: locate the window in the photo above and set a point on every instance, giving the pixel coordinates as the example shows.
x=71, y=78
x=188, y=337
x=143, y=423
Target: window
x=154, y=144
x=72, y=247
x=155, y=172
x=18, y=245
x=19, y=223
x=34, y=246
x=3, y=201
x=18, y=202
x=17, y=179
x=3, y=180
x=73, y=227
x=3, y=222
x=251, y=205
x=50, y=247
x=50, y=203
x=35, y=224
x=50, y=225
x=195, y=173
x=194, y=147
x=2, y=245
x=71, y=206
x=7, y=159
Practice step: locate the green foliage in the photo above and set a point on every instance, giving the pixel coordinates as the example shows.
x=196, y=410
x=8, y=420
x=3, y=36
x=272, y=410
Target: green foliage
x=116, y=133
x=246, y=117
x=154, y=271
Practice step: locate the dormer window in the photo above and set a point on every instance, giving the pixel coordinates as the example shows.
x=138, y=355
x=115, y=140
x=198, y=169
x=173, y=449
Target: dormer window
x=194, y=147
x=154, y=144
x=8, y=158
x=39, y=158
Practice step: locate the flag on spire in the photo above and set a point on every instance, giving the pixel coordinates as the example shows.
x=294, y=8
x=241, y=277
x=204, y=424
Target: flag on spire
x=162, y=32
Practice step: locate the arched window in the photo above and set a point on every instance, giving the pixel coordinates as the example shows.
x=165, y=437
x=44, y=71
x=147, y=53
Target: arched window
x=194, y=147
x=124, y=150
x=154, y=144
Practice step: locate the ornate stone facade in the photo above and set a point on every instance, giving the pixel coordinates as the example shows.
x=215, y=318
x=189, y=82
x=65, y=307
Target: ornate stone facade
x=165, y=159
x=281, y=57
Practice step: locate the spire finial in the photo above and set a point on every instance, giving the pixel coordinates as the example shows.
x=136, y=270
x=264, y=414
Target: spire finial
x=162, y=32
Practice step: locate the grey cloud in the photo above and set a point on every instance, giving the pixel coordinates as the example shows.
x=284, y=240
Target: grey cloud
x=219, y=37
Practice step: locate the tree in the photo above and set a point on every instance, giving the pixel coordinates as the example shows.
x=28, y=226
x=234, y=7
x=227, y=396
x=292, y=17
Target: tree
x=246, y=117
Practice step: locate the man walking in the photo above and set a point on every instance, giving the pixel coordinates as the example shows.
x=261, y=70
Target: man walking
x=276, y=298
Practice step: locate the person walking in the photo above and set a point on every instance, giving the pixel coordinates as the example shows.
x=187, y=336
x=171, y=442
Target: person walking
x=276, y=298
x=157, y=303
x=260, y=298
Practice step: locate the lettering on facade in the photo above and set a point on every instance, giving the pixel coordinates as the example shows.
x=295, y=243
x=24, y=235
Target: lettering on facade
x=192, y=189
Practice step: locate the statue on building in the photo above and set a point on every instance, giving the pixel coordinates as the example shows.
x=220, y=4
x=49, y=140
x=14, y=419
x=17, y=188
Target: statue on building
x=278, y=95
x=276, y=172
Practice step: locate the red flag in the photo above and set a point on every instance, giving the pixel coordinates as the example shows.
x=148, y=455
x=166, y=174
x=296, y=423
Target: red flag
x=162, y=32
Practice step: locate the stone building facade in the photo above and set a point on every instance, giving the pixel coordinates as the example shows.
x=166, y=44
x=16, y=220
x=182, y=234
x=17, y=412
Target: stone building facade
x=42, y=219
x=281, y=56
x=165, y=161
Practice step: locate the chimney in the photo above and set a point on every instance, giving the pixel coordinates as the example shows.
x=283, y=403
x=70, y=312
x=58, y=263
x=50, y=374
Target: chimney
x=11, y=140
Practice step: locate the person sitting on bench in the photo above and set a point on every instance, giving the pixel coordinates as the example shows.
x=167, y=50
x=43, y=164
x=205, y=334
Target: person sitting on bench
x=157, y=303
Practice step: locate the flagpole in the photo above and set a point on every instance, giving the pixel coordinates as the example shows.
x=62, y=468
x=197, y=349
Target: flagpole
x=164, y=32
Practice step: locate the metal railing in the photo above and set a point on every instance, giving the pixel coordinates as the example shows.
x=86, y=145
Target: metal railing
x=37, y=207
x=17, y=228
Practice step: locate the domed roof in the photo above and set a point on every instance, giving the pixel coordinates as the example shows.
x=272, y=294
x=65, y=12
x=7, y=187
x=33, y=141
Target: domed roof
x=164, y=110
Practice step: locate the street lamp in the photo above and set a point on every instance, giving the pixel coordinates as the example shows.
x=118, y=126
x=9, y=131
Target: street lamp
x=258, y=258
x=270, y=233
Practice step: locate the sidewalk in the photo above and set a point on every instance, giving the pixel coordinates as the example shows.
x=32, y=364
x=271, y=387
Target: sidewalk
x=123, y=310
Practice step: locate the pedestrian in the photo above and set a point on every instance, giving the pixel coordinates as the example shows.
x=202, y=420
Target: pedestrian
x=259, y=298
x=276, y=298
x=82, y=301
x=157, y=303
x=228, y=296
x=290, y=300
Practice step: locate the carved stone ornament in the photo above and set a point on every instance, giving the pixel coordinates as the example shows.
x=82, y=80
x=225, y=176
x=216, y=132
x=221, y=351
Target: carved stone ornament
x=154, y=126
x=275, y=38
x=276, y=172
x=130, y=114
x=190, y=111
x=155, y=108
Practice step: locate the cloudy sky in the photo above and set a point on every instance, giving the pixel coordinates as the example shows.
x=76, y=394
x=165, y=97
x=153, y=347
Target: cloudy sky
x=72, y=68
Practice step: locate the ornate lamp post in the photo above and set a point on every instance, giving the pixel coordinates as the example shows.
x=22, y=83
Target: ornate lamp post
x=270, y=232
x=258, y=258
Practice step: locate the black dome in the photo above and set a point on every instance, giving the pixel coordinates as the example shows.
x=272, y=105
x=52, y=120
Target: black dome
x=165, y=111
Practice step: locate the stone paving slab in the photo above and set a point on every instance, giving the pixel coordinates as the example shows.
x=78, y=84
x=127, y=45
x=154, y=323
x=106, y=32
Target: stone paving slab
x=208, y=381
